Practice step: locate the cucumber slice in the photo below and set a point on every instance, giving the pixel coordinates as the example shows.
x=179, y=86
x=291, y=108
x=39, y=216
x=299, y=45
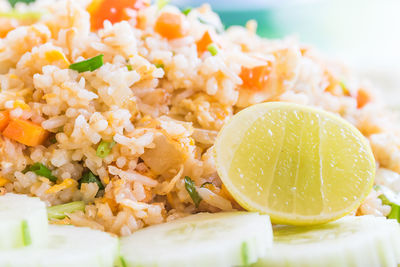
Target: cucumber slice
x=351, y=241
x=204, y=239
x=23, y=221
x=68, y=246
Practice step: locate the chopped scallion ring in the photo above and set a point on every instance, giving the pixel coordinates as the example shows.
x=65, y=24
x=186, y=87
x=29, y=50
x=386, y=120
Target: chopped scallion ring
x=186, y=11
x=90, y=64
x=212, y=48
x=88, y=178
x=41, y=170
x=191, y=189
x=104, y=148
x=14, y=2
x=395, y=208
x=159, y=65
x=59, y=211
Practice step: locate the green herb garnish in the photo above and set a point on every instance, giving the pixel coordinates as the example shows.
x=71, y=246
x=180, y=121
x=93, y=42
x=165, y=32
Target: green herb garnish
x=191, y=189
x=186, y=11
x=90, y=64
x=89, y=177
x=212, y=48
x=159, y=65
x=53, y=140
x=162, y=3
x=395, y=208
x=41, y=170
x=104, y=148
x=14, y=2
x=59, y=211
x=26, y=235
x=394, y=213
x=129, y=67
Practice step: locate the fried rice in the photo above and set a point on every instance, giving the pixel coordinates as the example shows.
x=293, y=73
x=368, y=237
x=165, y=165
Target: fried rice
x=160, y=102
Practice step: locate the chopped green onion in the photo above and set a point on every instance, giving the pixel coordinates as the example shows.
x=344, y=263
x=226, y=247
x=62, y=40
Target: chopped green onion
x=395, y=207
x=129, y=67
x=206, y=183
x=186, y=11
x=159, y=65
x=13, y=2
x=90, y=64
x=162, y=3
x=104, y=148
x=212, y=48
x=21, y=15
x=191, y=189
x=53, y=140
x=26, y=235
x=394, y=213
x=59, y=211
x=89, y=177
x=41, y=170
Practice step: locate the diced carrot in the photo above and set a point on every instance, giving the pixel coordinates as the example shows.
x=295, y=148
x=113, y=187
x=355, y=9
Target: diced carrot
x=25, y=132
x=112, y=10
x=4, y=120
x=204, y=42
x=363, y=97
x=141, y=21
x=170, y=25
x=255, y=78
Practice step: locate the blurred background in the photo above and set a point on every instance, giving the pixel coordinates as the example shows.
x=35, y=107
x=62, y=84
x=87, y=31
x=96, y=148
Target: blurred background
x=365, y=34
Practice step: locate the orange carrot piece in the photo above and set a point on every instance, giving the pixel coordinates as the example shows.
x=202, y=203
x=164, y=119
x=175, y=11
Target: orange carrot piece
x=112, y=10
x=4, y=120
x=204, y=42
x=170, y=25
x=25, y=132
x=363, y=97
x=255, y=78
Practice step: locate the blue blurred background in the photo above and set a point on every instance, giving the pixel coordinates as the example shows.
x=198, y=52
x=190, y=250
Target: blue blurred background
x=363, y=33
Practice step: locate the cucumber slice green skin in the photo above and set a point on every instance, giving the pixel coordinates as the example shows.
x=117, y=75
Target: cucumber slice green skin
x=68, y=246
x=222, y=239
x=351, y=241
x=23, y=221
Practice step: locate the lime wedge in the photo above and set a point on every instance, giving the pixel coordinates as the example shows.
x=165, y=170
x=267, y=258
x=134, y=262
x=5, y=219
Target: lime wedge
x=298, y=164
